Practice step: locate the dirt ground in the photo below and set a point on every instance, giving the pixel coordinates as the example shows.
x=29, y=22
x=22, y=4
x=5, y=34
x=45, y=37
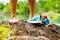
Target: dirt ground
x=25, y=31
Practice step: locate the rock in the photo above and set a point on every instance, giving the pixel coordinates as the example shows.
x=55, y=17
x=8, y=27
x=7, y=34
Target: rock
x=30, y=32
x=29, y=38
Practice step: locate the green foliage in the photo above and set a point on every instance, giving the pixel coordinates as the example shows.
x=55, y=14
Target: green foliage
x=49, y=5
x=7, y=9
x=22, y=11
x=38, y=8
x=1, y=6
x=22, y=8
x=4, y=31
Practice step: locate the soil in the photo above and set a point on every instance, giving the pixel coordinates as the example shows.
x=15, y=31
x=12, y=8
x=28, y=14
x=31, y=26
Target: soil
x=26, y=31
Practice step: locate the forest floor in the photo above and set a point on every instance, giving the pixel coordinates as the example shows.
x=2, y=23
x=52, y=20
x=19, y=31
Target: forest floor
x=23, y=30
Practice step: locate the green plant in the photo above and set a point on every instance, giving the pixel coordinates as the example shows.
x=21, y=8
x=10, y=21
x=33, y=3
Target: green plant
x=4, y=31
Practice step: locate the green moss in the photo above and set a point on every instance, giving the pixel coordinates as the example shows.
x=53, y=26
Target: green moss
x=4, y=31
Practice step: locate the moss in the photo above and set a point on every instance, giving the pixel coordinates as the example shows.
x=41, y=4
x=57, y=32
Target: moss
x=4, y=31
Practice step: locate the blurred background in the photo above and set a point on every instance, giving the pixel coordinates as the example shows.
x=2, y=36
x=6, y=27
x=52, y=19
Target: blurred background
x=46, y=7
